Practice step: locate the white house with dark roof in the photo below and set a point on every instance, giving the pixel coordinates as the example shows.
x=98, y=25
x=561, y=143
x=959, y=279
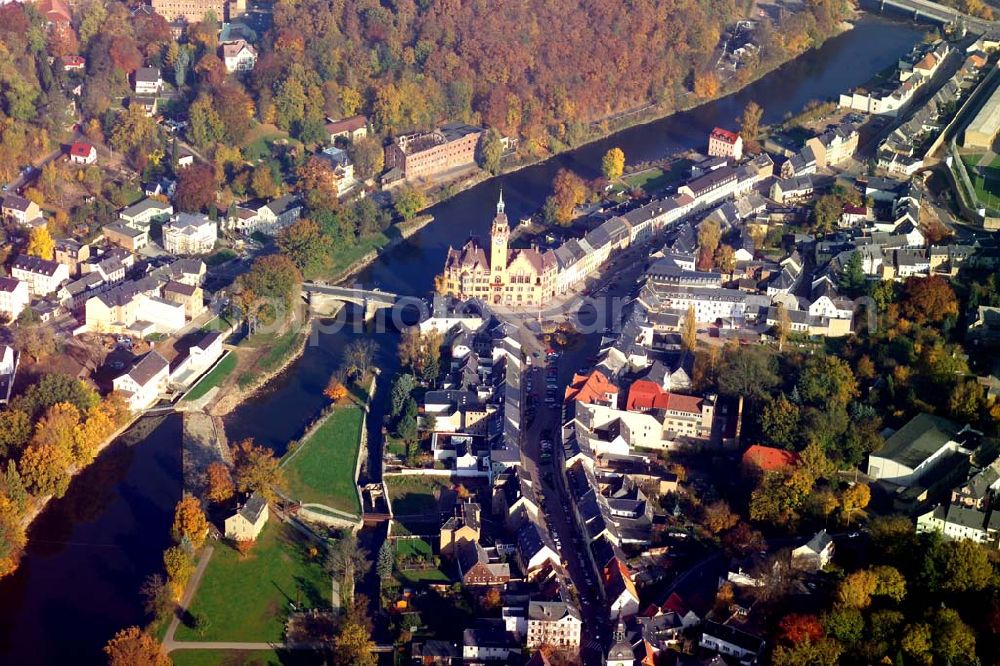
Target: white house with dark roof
x=962, y=522
x=14, y=297
x=248, y=521
x=190, y=233
x=554, y=623
x=238, y=56
x=8, y=370
x=141, y=214
x=148, y=81
x=815, y=553
x=730, y=641
x=42, y=275
x=266, y=217
x=144, y=383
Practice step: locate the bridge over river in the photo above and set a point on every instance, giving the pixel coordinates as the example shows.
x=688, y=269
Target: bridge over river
x=323, y=298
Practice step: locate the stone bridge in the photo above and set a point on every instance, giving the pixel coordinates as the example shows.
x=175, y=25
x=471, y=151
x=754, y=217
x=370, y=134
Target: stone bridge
x=322, y=298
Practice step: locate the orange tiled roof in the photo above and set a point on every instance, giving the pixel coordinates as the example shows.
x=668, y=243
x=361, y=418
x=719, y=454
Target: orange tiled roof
x=644, y=394
x=589, y=388
x=769, y=458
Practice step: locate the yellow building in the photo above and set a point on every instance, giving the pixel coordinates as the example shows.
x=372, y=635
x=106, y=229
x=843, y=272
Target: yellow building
x=513, y=278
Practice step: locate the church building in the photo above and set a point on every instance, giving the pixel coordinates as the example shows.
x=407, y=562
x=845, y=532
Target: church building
x=525, y=278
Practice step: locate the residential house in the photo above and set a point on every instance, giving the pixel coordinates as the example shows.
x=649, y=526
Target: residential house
x=962, y=522
x=554, y=623
x=238, y=56
x=145, y=381
x=793, y=189
x=140, y=215
x=592, y=388
x=463, y=526
x=534, y=551
x=82, y=153
x=42, y=275
x=264, y=217
x=474, y=565
x=352, y=129
x=619, y=590
x=190, y=296
x=8, y=371
x=249, y=519
x=131, y=238
x=723, y=143
x=18, y=210
x=815, y=554
x=148, y=81
x=72, y=253
x=730, y=641
x=488, y=641
x=190, y=233
x=14, y=297
x=205, y=352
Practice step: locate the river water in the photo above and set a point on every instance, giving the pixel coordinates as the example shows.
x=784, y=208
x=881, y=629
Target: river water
x=90, y=551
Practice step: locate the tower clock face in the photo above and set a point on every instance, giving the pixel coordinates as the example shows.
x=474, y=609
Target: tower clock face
x=497, y=240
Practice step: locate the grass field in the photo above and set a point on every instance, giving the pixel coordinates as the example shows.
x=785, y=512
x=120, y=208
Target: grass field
x=220, y=257
x=655, y=179
x=248, y=599
x=321, y=469
x=221, y=370
x=985, y=180
x=279, y=348
x=415, y=495
x=412, y=547
x=246, y=658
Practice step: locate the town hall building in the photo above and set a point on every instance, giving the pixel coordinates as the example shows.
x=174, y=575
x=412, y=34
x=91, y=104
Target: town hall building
x=525, y=278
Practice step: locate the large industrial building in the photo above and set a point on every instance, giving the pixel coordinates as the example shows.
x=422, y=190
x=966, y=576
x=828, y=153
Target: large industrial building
x=983, y=129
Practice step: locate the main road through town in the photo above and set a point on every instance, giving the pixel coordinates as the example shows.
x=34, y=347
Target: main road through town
x=90, y=550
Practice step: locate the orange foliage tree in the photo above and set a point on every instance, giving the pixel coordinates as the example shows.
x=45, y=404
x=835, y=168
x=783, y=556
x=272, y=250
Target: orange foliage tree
x=220, y=483
x=189, y=521
x=134, y=647
x=335, y=390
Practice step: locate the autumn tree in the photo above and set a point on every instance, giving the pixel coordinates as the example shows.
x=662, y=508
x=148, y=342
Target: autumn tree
x=40, y=243
x=717, y=517
x=725, y=258
x=854, y=498
x=709, y=235
x=196, y=188
x=353, y=646
x=928, y=299
x=966, y=401
x=568, y=191
x=743, y=540
x=189, y=521
x=156, y=599
x=407, y=201
x=750, y=125
x=689, y=330
x=335, y=390
x=490, y=151
x=220, y=483
x=348, y=562
x=782, y=326
x=359, y=357
x=36, y=340
x=269, y=289
x=706, y=84
x=244, y=546
x=613, y=164
x=780, y=420
x=796, y=628
x=368, y=157
x=256, y=470
x=134, y=647
x=304, y=243
x=317, y=183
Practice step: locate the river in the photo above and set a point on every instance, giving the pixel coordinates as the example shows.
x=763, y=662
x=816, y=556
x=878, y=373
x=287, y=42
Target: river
x=90, y=551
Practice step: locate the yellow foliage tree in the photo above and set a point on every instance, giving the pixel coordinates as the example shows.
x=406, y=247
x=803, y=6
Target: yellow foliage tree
x=40, y=243
x=706, y=85
x=189, y=521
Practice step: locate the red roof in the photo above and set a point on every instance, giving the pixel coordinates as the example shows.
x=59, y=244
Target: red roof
x=724, y=135
x=81, y=149
x=590, y=388
x=768, y=458
x=644, y=394
x=676, y=604
x=855, y=210
x=73, y=61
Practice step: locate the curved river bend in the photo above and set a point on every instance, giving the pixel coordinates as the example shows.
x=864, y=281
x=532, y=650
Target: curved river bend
x=90, y=551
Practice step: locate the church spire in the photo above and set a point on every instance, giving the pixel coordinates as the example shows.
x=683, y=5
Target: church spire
x=500, y=203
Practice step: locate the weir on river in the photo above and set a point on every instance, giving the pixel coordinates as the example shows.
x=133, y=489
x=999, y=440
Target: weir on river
x=90, y=551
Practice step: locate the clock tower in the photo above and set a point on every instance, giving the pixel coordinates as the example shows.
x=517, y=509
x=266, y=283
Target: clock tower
x=499, y=236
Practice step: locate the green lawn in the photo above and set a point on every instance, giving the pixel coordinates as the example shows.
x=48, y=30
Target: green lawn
x=221, y=370
x=220, y=257
x=344, y=255
x=414, y=495
x=655, y=179
x=425, y=576
x=248, y=599
x=246, y=658
x=412, y=547
x=321, y=469
x=279, y=348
